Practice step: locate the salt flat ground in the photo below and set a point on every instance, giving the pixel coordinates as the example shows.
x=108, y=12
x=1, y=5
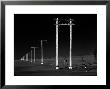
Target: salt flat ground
x=26, y=68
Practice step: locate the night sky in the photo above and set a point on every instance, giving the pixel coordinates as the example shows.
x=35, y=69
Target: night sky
x=29, y=29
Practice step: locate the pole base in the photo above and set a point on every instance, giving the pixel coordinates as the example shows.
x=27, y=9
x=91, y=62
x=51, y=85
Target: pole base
x=42, y=63
x=70, y=67
x=57, y=67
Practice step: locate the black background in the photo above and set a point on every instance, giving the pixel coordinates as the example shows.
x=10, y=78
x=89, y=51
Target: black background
x=29, y=29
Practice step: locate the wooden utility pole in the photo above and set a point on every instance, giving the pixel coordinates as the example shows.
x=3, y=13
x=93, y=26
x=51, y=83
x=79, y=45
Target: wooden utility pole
x=34, y=53
x=42, y=60
x=57, y=25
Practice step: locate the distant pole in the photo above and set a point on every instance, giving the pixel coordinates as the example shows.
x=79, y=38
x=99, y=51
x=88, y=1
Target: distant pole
x=34, y=52
x=70, y=67
x=34, y=55
x=42, y=51
x=31, y=55
x=57, y=44
x=27, y=57
x=23, y=58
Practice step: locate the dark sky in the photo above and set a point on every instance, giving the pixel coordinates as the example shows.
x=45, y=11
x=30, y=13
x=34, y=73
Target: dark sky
x=29, y=29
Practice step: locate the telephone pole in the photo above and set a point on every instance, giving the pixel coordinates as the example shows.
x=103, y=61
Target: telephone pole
x=57, y=43
x=34, y=53
x=31, y=55
x=42, y=50
x=27, y=57
x=70, y=66
x=68, y=24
